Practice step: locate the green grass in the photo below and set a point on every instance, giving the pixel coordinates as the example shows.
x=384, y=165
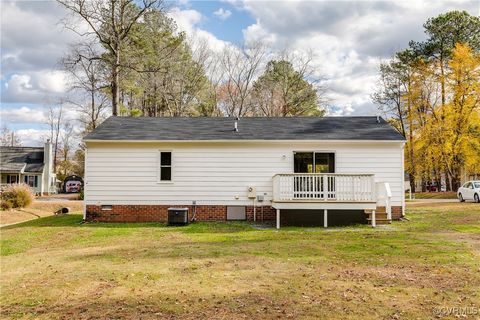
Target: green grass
x=56, y=267
x=432, y=195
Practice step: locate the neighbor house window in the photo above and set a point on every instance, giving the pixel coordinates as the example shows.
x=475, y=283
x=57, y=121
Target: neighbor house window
x=165, y=166
x=32, y=181
x=12, y=178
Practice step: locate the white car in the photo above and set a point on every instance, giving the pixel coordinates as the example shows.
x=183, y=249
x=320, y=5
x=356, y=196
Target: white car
x=469, y=191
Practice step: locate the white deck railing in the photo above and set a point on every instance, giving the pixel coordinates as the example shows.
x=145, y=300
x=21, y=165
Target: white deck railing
x=336, y=187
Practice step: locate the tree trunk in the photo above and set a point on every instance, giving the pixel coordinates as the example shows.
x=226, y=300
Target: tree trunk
x=94, y=124
x=448, y=182
x=411, y=177
x=115, y=84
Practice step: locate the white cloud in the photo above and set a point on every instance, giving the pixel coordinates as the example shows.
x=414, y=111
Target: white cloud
x=52, y=81
x=32, y=38
x=188, y=20
x=34, y=87
x=348, y=38
x=22, y=115
x=222, y=14
x=32, y=137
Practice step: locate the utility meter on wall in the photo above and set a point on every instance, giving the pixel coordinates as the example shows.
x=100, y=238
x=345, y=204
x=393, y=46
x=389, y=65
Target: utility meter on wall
x=252, y=192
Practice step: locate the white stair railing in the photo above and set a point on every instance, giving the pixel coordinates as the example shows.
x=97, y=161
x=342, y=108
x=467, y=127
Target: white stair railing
x=384, y=197
x=388, y=204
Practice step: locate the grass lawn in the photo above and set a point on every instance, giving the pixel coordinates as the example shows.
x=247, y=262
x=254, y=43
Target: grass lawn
x=54, y=267
x=38, y=209
x=433, y=195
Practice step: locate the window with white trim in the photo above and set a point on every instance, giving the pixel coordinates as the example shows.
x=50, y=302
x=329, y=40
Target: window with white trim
x=12, y=178
x=32, y=181
x=165, y=166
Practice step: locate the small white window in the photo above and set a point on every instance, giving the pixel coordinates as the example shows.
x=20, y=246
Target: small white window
x=165, y=166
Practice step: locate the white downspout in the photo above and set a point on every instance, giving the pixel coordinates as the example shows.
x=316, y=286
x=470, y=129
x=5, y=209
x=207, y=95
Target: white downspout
x=85, y=185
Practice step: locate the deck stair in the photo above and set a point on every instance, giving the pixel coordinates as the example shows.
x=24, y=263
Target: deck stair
x=380, y=216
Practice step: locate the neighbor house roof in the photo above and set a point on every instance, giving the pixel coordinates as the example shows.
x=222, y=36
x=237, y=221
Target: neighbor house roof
x=21, y=159
x=249, y=128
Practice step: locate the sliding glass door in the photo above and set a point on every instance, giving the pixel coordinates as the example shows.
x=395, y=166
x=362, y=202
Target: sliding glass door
x=313, y=162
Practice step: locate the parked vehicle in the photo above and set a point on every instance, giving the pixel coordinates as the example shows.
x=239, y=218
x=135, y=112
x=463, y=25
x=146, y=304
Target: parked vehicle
x=469, y=191
x=72, y=184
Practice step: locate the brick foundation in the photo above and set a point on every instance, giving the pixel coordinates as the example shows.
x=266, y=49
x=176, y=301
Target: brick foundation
x=396, y=212
x=158, y=213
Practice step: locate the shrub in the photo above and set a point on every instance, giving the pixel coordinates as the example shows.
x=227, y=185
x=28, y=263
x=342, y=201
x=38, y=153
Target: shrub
x=16, y=196
x=6, y=204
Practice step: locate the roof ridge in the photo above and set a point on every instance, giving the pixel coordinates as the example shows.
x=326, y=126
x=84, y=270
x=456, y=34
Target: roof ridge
x=233, y=117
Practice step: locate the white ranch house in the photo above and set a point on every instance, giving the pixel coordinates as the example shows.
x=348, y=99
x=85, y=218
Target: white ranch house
x=306, y=170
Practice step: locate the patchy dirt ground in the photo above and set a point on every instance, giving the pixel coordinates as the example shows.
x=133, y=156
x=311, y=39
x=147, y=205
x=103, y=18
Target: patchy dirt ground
x=56, y=268
x=38, y=209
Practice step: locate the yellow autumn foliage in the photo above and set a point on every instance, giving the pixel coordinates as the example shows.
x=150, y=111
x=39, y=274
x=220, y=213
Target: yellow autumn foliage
x=445, y=138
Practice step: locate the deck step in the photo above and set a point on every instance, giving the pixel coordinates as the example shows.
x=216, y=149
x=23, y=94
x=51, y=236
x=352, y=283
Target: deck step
x=380, y=221
x=378, y=216
x=381, y=216
x=377, y=211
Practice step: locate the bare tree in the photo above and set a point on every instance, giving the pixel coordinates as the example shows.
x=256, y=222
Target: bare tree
x=65, y=148
x=87, y=82
x=66, y=140
x=55, y=121
x=212, y=66
x=110, y=23
x=9, y=138
x=241, y=66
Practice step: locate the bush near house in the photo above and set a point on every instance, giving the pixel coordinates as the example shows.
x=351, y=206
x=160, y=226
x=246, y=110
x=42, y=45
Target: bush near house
x=16, y=196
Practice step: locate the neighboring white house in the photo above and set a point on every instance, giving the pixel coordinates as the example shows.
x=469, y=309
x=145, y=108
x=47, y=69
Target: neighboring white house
x=30, y=165
x=286, y=169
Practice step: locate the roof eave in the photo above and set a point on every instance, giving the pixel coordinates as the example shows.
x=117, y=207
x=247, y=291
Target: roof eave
x=245, y=140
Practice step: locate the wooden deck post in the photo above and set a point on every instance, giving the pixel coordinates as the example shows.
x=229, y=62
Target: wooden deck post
x=374, y=222
x=278, y=218
x=325, y=218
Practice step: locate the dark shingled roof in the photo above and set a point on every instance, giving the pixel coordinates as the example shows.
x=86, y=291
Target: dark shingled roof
x=249, y=128
x=14, y=159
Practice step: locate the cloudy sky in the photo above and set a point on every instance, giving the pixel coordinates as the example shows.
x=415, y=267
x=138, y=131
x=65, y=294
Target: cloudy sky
x=348, y=39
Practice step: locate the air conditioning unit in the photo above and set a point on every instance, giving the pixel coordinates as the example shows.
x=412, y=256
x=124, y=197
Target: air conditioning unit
x=177, y=216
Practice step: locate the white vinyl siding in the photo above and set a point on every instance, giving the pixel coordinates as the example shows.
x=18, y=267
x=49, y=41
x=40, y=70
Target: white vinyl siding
x=219, y=172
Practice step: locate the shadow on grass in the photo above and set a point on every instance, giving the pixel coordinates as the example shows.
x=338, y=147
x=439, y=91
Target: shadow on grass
x=76, y=221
